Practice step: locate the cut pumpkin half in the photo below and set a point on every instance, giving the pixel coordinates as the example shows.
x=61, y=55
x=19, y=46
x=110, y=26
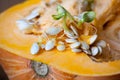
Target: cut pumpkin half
x=15, y=42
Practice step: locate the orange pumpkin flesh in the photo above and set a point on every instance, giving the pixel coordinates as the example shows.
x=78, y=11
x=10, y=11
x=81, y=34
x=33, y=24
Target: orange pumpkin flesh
x=12, y=40
x=19, y=68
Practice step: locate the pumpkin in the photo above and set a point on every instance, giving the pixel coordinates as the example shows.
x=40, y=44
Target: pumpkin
x=15, y=42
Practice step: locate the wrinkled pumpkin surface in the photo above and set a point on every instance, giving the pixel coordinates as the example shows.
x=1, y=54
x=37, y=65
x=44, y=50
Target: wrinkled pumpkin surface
x=12, y=40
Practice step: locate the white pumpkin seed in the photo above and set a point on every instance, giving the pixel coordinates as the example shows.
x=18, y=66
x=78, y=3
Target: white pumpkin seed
x=35, y=48
x=76, y=50
x=100, y=50
x=75, y=45
x=61, y=47
x=34, y=13
x=60, y=42
x=102, y=43
x=50, y=44
x=70, y=34
x=23, y=24
x=53, y=30
x=94, y=51
x=87, y=52
x=74, y=30
x=93, y=39
x=84, y=46
x=70, y=40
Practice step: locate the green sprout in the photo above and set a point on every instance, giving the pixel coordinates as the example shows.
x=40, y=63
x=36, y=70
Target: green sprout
x=87, y=16
x=64, y=14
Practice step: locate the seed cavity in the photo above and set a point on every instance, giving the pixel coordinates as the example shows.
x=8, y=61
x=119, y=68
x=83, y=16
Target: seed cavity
x=35, y=48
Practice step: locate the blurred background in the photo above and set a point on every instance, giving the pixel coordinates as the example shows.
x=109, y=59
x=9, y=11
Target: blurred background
x=4, y=4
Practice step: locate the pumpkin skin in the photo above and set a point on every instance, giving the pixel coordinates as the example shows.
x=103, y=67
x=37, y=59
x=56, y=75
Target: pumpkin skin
x=14, y=41
x=19, y=68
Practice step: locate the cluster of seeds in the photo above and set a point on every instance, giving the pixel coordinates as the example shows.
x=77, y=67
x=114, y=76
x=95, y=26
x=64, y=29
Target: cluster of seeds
x=70, y=33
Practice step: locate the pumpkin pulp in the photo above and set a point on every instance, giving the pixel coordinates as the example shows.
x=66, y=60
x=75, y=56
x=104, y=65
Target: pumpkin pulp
x=12, y=40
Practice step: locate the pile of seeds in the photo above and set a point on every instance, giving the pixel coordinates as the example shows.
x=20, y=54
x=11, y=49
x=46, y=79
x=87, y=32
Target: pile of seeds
x=71, y=34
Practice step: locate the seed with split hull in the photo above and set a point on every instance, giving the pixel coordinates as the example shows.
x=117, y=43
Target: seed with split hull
x=24, y=25
x=84, y=46
x=50, y=44
x=102, y=43
x=76, y=50
x=35, y=48
x=93, y=39
x=61, y=47
x=94, y=51
x=75, y=45
x=70, y=40
x=53, y=30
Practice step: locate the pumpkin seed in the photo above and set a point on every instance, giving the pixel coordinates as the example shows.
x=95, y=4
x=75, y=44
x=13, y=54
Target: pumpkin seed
x=23, y=24
x=70, y=40
x=93, y=39
x=60, y=42
x=53, y=30
x=102, y=43
x=34, y=13
x=74, y=30
x=94, y=51
x=100, y=49
x=35, y=48
x=76, y=50
x=75, y=45
x=50, y=44
x=61, y=47
x=70, y=34
x=84, y=46
x=87, y=52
